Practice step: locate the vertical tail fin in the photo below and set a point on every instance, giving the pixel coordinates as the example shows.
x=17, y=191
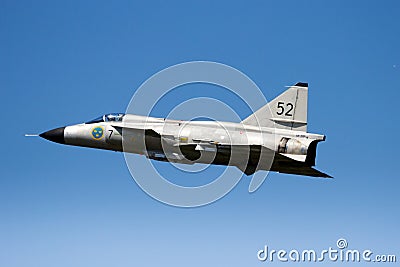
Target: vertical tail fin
x=287, y=111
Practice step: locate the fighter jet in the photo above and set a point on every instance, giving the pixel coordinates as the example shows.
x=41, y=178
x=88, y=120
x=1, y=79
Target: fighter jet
x=274, y=138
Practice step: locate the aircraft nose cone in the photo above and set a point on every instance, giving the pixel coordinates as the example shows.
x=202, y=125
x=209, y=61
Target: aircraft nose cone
x=55, y=135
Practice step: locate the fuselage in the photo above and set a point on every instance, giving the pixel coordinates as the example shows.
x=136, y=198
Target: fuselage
x=273, y=138
x=185, y=142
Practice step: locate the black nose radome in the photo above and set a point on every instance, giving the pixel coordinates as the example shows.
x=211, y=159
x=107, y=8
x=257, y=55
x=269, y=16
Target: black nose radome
x=55, y=135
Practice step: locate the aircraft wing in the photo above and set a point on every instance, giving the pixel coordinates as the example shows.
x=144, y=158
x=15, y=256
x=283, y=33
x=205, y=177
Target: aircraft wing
x=252, y=156
x=248, y=163
x=285, y=164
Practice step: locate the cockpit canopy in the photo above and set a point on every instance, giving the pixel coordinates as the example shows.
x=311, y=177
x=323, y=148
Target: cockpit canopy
x=108, y=117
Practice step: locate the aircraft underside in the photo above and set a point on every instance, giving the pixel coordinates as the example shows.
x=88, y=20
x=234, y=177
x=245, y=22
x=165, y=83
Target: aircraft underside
x=253, y=159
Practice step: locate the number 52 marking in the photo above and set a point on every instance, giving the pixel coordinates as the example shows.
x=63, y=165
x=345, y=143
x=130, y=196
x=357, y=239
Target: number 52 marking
x=281, y=109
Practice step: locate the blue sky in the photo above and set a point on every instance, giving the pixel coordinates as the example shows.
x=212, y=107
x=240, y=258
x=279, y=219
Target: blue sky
x=67, y=62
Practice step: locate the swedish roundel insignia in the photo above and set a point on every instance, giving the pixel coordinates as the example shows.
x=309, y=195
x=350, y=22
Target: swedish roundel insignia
x=97, y=132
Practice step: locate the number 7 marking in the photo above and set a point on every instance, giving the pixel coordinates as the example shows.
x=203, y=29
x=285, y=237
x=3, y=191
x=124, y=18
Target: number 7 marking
x=111, y=132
